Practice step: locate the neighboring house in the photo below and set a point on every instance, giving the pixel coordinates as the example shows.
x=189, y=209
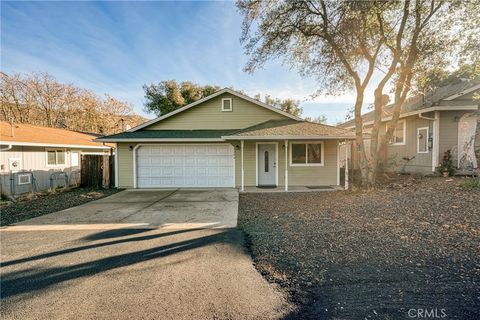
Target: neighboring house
x=228, y=140
x=446, y=119
x=34, y=158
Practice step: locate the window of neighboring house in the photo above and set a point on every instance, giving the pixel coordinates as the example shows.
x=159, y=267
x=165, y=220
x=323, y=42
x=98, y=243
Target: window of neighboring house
x=56, y=157
x=399, y=134
x=306, y=154
x=227, y=104
x=422, y=140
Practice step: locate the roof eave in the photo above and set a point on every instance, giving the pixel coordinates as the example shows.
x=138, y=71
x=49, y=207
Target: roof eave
x=160, y=139
x=288, y=137
x=54, y=145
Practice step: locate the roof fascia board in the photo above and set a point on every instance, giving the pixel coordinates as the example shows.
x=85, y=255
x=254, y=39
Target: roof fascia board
x=412, y=113
x=286, y=137
x=462, y=93
x=160, y=139
x=35, y=144
x=216, y=94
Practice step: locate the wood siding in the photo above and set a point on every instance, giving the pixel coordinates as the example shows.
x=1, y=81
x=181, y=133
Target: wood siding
x=421, y=162
x=209, y=115
x=34, y=159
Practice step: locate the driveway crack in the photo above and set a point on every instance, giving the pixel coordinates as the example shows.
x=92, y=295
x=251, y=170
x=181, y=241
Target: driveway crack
x=151, y=204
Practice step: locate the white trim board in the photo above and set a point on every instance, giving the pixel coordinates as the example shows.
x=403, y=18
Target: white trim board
x=216, y=94
x=287, y=138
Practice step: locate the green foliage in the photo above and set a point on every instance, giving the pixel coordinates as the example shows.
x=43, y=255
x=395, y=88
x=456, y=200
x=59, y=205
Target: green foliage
x=447, y=163
x=320, y=119
x=288, y=105
x=168, y=95
x=471, y=183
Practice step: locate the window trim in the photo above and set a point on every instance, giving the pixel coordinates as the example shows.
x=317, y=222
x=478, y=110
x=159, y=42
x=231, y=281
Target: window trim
x=19, y=175
x=427, y=136
x=404, y=134
x=306, y=164
x=56, y=150
x=223, y=105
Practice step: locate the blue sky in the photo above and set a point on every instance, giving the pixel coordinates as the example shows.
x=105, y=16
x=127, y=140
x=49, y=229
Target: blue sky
x=116, y=47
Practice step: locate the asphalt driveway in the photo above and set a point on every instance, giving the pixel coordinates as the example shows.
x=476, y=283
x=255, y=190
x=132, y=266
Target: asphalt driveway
x=124, y=257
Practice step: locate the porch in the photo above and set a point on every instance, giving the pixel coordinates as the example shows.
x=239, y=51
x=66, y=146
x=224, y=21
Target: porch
x=291, y=189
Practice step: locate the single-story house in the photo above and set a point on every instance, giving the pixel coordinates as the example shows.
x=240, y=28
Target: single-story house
x=447, y=118
x=228, y=139
x=35, y=158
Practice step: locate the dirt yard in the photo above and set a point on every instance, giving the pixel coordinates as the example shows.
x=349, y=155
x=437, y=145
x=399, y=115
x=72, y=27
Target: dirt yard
x=37, y=205
x=392, y=253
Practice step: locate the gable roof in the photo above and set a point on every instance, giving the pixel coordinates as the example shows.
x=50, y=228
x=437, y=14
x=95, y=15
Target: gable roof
x=216, y=94
x=31, y=135
x=430, y=102
x=291, y=129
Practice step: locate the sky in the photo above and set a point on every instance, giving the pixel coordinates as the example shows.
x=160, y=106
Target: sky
x=117, y=47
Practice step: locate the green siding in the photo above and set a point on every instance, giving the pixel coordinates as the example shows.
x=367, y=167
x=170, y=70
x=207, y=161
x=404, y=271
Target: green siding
x=422, y=162
x=125, y=165
x=298, y=176
x=209, y=115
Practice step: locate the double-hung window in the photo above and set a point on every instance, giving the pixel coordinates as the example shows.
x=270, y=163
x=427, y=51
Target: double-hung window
x=306, y=154
x=56, y=157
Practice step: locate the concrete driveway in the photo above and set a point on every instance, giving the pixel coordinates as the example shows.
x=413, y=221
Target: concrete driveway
x=174, y=209
x=136, y=255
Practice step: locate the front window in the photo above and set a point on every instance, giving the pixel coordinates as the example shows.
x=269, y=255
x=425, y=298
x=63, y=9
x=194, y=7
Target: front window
x=398, y=136
x=55, y=157
x=306, y=154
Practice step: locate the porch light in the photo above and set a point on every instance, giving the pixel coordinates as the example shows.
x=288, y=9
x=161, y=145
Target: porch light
x=237, y=147
x=130, y=147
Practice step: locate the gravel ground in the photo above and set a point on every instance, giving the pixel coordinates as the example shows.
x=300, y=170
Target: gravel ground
x=390, y=253
x=41, y=204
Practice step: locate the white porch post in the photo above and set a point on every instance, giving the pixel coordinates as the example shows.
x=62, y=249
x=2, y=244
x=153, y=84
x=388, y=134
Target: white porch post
x=243, y=172
x=347, y=145
x=286, y=165
x=436, y=144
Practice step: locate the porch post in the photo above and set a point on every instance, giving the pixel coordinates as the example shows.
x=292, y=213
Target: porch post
x=243, y=172
x=347, y=145
x=286, y=165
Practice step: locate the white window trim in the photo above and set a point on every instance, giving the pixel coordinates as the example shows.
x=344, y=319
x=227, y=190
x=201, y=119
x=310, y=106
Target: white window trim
x=56, y=164
x=322, y=148
x=24, y=175
x=404, y=134
x=418, y=144
x=223, y=105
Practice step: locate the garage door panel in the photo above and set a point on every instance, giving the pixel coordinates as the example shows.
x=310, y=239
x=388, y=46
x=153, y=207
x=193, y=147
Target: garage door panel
x=185, y=166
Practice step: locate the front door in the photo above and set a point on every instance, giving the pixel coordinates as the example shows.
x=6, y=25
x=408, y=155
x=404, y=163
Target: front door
x=267, y=165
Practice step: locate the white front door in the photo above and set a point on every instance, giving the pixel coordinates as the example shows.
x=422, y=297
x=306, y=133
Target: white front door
x=267, y=164
x=185, y=165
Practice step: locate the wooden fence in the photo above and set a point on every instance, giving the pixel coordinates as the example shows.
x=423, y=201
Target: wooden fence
x=96, y=171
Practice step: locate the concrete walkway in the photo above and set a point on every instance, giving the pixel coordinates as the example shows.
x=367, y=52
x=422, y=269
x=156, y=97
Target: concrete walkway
x=82, y=263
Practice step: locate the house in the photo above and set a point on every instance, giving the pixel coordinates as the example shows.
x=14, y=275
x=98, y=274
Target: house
x=35, y=158
x=228, y=139
x=445, y=119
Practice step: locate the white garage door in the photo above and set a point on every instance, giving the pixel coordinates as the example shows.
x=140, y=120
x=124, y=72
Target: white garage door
x=185, y=165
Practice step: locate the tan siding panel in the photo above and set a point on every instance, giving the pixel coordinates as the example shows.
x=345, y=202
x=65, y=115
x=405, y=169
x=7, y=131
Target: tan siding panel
x=208, y=115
